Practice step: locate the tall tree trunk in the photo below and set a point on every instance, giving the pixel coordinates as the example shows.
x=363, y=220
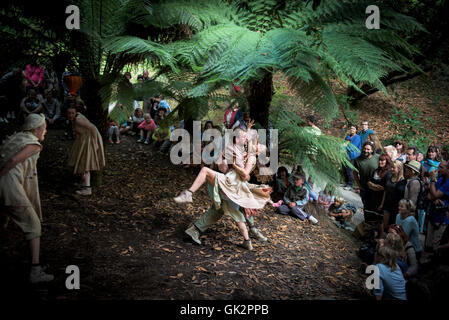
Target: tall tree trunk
x=260, y=94
x=95, y=111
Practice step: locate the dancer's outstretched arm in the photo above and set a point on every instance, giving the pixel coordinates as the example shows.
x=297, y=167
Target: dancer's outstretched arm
x=243, y=172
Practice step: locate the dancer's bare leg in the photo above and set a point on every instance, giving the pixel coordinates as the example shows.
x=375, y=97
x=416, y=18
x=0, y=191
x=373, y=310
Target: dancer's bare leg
x=205, y=174
x=86, y=190
x=243, y=230
x=35, y=248
x=86, y=179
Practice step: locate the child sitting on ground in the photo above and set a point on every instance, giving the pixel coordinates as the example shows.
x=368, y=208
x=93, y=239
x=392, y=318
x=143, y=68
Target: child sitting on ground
x=137, y=119
x=113, y=130
x=161, y=139
x=340, y=212
x=295, y=198
x=325, y=198
x=147, y=128
x=125, y=127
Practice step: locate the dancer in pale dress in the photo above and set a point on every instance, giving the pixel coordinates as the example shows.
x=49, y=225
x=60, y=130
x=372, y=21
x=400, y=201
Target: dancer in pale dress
x=230, y=191
x=19, y=188
x=87, y=152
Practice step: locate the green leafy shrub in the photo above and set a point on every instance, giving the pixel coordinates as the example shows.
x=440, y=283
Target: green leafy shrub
x=410, y=128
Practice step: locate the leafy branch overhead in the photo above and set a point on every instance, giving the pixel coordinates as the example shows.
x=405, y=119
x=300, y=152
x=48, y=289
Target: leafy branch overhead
x=197, y=48
x=308, y=44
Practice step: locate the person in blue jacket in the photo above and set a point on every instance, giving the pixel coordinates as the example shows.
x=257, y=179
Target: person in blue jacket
x=353, y=148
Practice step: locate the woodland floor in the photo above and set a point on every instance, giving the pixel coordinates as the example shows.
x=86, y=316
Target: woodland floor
x=128, y=240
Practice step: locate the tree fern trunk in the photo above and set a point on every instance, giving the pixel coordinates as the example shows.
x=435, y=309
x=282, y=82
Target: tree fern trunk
x=260, y=94
x=95, y=112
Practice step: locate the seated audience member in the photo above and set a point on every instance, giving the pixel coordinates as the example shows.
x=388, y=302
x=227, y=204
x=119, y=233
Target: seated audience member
x=51, y=109
x=71, y=81
x=207, y=125
x=125, y=127
x=162, y=139
x=295, y=198
x=325, y=198
x=137, y=119
x=282, y=181
x=153, y=104
x=339, y=211
x=392, y=282
x=113, y=130
x=406, y=219
x=34, y=74
x=162, y=103
x=160, y=115
x=30, y=104
x=51, y=81
x=147, y=127
x=394, y=241
x=409, y=250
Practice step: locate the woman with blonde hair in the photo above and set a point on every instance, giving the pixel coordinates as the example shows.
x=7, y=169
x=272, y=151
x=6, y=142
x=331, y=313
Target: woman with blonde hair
x=406, y=219
x=404, y=248
x=392, y=282
x=392, y=152
x=393, y=192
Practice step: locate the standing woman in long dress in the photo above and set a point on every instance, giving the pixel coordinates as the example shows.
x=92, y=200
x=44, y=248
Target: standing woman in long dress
x=87, y=151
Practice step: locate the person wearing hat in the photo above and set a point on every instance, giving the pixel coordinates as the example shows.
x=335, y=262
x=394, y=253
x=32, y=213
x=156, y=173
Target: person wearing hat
x=295, y=198
x=411, y=173
x=19, y=189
